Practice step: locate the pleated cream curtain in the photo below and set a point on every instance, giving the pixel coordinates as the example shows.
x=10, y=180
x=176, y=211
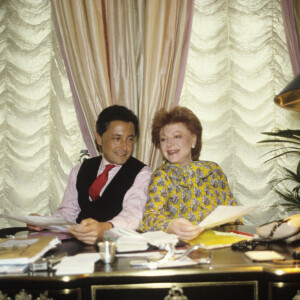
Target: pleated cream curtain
x=40, y=138
x=124, y=52
x=238, y=61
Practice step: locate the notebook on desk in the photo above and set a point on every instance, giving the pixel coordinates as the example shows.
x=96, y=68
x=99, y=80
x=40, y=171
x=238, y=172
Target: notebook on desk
x=19, y=251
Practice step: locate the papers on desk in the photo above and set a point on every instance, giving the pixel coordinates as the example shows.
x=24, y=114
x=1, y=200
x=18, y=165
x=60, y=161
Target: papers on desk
x=83, y=263
x=149, y=264
x=53, y=224
x=128, y=240
x=224, y=214
x=25, y=250
x=13, y=269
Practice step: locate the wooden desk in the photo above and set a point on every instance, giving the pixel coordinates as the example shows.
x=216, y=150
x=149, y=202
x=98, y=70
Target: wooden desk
x=231, y=275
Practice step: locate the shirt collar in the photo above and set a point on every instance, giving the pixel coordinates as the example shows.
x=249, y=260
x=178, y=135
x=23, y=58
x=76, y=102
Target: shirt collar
x=104, y=162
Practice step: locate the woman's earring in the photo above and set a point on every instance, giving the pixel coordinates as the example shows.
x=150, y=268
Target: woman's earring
x=193, y=146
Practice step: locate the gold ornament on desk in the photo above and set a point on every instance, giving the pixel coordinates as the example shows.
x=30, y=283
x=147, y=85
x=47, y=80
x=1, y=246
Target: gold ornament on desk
x=176, y=293
x=289, y=97
x=24, y=296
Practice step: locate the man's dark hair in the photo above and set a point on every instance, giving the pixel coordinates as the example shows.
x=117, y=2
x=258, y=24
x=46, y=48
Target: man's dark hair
x=116, y=113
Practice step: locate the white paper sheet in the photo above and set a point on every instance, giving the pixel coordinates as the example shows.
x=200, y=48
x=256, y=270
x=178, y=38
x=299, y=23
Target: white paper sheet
x=54, y=224
x=163, y=264
x=224, y=214
x=83, y=263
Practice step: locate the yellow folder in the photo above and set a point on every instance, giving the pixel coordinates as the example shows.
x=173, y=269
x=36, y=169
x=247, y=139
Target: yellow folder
x=214, y=239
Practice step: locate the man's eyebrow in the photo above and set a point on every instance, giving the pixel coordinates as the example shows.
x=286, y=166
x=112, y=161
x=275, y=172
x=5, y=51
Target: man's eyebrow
x=118, y=134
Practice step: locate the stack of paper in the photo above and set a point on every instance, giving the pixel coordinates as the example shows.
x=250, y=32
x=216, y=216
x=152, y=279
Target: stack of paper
x=130, y=243
x=128, y=240
x=160, y=238
x=83, y=263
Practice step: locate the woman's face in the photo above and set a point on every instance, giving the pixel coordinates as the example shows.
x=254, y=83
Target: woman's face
x=176, y=142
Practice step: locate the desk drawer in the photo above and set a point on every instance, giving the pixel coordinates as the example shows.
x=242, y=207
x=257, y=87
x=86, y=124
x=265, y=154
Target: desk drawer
x=283, y=290
x=246, y=290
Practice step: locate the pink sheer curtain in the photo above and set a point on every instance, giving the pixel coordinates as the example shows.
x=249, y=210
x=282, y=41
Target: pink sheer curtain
x=87, y=137
x=290, y=10
x=125, y=52
x=185, y=50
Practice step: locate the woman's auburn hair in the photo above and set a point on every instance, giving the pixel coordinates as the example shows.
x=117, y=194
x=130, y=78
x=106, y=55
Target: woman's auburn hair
x=178, y=114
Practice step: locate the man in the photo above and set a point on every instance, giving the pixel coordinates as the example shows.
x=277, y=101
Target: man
x=123, y=197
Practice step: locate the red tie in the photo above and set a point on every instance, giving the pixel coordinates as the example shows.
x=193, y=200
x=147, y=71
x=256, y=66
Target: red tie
x=98, y=184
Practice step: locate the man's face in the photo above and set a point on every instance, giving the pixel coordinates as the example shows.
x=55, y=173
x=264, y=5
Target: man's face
x=117, y=142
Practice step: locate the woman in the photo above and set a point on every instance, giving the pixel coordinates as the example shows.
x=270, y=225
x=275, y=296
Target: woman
x=184, y=190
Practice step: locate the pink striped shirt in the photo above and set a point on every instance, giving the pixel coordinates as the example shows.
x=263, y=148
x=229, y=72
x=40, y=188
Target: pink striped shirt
x=133, y=203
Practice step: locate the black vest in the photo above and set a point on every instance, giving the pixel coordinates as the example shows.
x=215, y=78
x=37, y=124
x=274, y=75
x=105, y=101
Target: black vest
x=110, y=203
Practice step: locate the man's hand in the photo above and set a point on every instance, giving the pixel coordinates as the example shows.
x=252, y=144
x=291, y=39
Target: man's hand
x=89, y=230
x=32, y=227
x=184, y=229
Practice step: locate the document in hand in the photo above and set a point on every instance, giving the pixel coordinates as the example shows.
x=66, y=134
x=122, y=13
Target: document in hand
x=53, y=224
x=224, y=214
x=25, y=250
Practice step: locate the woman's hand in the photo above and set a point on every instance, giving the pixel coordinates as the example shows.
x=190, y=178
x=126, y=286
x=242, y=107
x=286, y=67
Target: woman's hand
x=184, y=229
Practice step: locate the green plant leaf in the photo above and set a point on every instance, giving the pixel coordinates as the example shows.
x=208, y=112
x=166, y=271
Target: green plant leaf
x=282, y=154
x=292, y=199
x=288, y=133
x=291, y=138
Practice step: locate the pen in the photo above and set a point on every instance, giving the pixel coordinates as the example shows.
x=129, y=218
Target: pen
x=241, y=232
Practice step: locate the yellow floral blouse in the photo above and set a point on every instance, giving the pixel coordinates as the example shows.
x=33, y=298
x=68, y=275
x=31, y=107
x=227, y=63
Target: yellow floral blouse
x=191, y=192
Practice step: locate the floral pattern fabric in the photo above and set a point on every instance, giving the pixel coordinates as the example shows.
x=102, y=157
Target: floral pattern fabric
x=191, y=192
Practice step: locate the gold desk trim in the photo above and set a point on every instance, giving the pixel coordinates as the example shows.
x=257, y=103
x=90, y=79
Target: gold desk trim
x=178, y=271
x=53, y=292
x=280, y=285
x=169, y=285
x=75, y=291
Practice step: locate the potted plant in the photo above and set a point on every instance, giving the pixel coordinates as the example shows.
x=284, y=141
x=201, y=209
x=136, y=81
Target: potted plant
x=287, y=143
